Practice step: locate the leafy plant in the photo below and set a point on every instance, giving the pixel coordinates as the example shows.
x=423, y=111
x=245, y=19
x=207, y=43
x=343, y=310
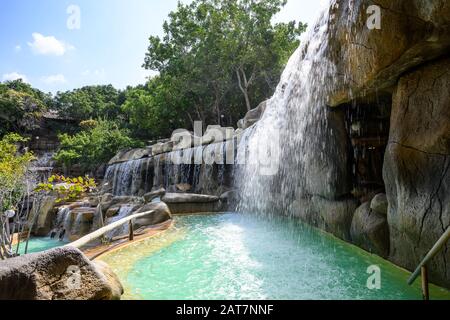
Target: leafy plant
x=13, y=168
x=95, y=146
x=68, y=189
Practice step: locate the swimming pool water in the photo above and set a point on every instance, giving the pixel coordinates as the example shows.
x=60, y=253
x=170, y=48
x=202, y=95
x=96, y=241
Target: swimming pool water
x=40, y=244
x=235, y=256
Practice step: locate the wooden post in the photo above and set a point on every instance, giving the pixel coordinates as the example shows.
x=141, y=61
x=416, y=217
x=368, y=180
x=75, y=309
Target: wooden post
x=425, y=285
x=130, y=224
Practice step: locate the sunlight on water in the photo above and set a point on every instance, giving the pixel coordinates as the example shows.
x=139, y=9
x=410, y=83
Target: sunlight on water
x=236, y=256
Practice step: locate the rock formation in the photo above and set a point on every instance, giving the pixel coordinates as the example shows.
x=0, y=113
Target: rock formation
x=58, y=274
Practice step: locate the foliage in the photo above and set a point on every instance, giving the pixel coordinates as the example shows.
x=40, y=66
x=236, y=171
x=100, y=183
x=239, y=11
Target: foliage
x=222, y=57
x=95, y=146
x=89, y=102
x=13, y=168
x=68, y=189
x=88, y=124
x=152, y=111
x=21, y=106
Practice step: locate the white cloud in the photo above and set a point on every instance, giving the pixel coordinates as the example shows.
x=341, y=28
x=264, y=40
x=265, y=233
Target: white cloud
x=48, y=45
x=18, y=48
x=54, y=79
x=14, y=76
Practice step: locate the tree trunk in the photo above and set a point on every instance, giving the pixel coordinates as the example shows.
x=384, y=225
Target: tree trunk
x=244, y=87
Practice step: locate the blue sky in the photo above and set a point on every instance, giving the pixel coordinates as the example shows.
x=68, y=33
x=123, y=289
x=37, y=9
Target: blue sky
x=109, y=47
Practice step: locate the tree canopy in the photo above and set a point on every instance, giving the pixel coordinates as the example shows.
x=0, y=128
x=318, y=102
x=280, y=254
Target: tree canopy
x=21, y=106
x=222, y=58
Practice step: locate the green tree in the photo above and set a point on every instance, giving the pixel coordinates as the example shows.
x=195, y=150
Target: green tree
x=21, y=107
x=89, y=102
x=13, y=169
x=219, y=54
x=152, y=110
x=95, y=146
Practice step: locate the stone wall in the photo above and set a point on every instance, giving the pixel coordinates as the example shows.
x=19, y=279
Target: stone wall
x=417, y=167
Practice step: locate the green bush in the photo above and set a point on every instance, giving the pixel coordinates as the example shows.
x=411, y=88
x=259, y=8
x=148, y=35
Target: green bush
x=13, y=168
x=94, y=146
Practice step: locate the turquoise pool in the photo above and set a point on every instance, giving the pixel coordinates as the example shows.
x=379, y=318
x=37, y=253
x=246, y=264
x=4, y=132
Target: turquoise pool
x=235, y=256
x=40, y=244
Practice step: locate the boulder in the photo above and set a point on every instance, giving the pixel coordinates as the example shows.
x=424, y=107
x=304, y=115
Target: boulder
x=58, y=274
x=369, y=60
x=130, y=155
x=107, y=197
x=188, y=198
x=216, y=134
x=162, y=214
x=149, y=197
x=112, y=212
x=157, y=149
x=417, y=168
x=111, y=278
x=185, y=203
x=121, y=200
x=46, y=215
x=379, y=204
x=253, y=116
x=370, y=231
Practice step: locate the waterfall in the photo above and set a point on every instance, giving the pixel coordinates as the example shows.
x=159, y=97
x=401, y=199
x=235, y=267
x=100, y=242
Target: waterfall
x=284, y=151
x=205, y=168
x=124, y=212
x=126, y=177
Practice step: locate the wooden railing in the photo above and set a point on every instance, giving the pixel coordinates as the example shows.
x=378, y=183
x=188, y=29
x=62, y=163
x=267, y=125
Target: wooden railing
x=422, y=269
x=102, y=231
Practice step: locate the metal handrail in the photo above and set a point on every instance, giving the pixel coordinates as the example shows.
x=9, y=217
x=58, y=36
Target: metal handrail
x=433, y=252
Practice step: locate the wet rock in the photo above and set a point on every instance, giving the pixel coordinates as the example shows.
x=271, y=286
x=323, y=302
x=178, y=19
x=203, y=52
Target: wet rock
x=183, y=203
x=58, y=274
x=417, y=168
x=162, y=214
x=46, y=215
x=149, y=197
x=370, y=231
x=85, y=215
x=253, y=116
x=379, y=204
x=230, y=200
x=327, y=166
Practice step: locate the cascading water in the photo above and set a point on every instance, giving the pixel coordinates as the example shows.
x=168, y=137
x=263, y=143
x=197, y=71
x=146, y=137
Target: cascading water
x=124, y=212
x=203, y=168
x=286, y=150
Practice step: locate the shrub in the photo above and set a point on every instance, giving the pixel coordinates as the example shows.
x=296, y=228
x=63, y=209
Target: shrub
x=95, y=146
